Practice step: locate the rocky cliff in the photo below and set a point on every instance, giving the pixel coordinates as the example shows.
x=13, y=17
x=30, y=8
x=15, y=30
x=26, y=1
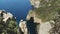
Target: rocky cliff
x=8, y=23
x=40, y=26
x=45, y=16
x=23, y=27
x=35, y=3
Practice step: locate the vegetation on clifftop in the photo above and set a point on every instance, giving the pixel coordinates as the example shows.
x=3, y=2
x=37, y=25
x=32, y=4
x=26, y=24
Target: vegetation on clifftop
x=48, y=10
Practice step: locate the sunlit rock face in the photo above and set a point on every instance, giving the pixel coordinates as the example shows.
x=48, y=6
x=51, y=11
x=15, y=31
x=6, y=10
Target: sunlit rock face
x=33, y=22
x=41, y=3
x=35, y=3
x=42, y=7
x=23, y=27
x=33, y=14
x=8, y=23
x=48, y=27
x=40, y=26
x=45, y=27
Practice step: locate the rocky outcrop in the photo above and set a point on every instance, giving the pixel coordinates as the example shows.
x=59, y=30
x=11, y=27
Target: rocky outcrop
x=35, y=3
x=39, y=3
x=35, y=21
x=48, y=9
x=33, y=14
x=48, y=27
x=7, y=16
x=45, y=27
x=23, y=27
x=8, y=23
x=38, y=23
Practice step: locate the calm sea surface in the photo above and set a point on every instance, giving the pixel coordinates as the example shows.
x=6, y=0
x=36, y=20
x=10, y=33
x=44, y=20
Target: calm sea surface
x=19, y=8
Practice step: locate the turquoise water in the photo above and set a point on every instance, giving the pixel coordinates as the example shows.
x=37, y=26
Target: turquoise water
x=19, y=8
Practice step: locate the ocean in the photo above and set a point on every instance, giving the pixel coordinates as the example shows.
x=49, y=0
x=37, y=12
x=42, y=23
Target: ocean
x=19, y=8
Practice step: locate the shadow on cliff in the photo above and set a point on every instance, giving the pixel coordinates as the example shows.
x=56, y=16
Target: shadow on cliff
x=31, y=26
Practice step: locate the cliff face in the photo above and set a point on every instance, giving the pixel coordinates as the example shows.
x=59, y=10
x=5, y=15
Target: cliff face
x=47, y=10
x=33, y=22
x=44, y=3
x=41, y=27
x=48, y=27
x=35, y=3
x=23, y=27
x=33, y=14
x=44, y=10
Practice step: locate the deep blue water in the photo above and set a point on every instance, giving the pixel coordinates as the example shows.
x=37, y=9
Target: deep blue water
x=19, y=8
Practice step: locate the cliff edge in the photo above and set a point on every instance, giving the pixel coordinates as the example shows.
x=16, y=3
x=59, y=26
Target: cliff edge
x=46, y=14
x=33, y=14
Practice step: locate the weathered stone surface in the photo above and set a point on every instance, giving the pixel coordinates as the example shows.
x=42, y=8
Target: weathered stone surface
x=33, y=14
x=44, y=28
x=35, y=3
x=49, y=27
x=46, y=10
x=23, y=27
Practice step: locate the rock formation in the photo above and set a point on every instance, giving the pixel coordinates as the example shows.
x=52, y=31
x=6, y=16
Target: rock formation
x=35, y=3
x=40, y=26
x=44, y=18
x=23, y=27
x=8, y=23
